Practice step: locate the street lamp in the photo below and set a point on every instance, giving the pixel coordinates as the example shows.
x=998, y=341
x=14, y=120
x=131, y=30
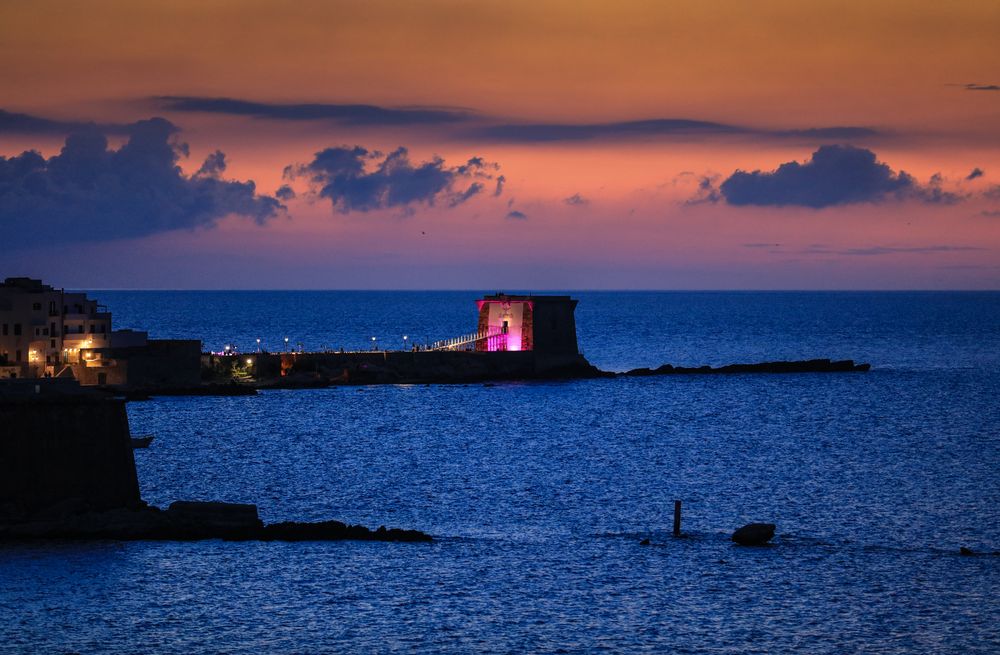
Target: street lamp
x=258, y=344
x=404, y=342
x=374, y=344
x=286, y=344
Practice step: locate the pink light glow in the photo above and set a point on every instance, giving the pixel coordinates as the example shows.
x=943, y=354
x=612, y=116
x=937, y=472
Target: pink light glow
x=508, y=316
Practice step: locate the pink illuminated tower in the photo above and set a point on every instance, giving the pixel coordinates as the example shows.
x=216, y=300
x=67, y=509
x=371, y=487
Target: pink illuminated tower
x=544, y=324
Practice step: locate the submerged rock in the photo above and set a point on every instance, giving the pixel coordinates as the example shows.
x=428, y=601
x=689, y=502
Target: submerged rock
x=754, y=534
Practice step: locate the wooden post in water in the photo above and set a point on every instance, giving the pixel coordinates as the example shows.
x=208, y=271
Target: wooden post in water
x=677, y=518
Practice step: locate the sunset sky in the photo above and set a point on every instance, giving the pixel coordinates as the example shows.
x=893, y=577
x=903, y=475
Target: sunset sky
x=545, y=145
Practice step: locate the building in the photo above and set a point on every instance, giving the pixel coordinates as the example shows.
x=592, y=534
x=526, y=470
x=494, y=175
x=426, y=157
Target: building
x=48, y=332
x=543, y=324
x=43, y=329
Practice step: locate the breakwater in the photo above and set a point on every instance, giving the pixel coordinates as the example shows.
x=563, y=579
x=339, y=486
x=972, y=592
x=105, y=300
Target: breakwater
x=229, y=374
x=393, y=367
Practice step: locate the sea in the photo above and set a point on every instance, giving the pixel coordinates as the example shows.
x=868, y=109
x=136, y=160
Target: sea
x=540, y=494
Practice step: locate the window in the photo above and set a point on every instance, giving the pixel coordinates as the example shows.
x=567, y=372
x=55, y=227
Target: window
x=79, y=330
x=52, y=330
x=52, y=343
x=5, y=329
x=17, y=355
x=45, y=332
x=17, y=331
x=91, y=328
x=36, y=306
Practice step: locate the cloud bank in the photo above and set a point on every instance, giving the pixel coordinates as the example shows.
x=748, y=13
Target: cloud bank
x=90, y=193
x=15, y=123
x=485, y=128
x=349, y=114
x=834, y=175
x=356, y=179
x=658, y=127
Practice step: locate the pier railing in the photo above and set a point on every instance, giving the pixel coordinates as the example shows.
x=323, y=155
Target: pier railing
x=464, y=340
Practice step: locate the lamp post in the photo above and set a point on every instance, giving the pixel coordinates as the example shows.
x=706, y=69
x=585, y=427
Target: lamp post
x=258, y=345
x=374, y=344
x=286, y=344
x=404, y=342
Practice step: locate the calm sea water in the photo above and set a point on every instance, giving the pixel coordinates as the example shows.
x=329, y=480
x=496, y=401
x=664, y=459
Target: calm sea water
x=539, y=493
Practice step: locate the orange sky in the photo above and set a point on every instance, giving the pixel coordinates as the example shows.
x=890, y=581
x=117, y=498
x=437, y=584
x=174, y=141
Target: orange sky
x=898, y=67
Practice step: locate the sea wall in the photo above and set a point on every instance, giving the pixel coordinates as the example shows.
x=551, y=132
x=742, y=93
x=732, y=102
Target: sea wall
x=60, y=450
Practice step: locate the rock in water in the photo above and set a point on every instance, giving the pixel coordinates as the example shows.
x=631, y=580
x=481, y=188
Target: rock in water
x=754, y=534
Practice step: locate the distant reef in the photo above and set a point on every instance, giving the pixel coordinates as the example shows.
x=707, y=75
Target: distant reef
x=803, y=366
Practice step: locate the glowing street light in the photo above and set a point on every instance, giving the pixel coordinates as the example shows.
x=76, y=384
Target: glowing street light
x=404, y=341
x=286, y=344
x=374, y=346
x=258, y=344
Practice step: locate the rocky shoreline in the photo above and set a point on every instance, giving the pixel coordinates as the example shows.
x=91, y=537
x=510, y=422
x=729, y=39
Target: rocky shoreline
x=187, y=521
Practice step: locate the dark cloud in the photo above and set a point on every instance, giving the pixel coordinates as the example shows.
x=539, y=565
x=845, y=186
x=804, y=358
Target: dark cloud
x=11, y=122
x=982, y=87
x=459, y=198
x=539, y=132
x=501, y=180
x=919, y=250
x=576, y=200
x=976, y=172
x=707, y=191
x=835, y=175
x=869, y=251
x=354, y=179
x=88, y=192
x=517, y=215
x=214, y=165
x=845, y=133
x=341, y=113
x=475, y=126
x=545, y=132
x=285, y=192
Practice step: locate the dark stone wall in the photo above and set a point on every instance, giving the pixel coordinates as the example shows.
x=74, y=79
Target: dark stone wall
x=554, y=326
x=166, y=362
x=58, y=451
x=161, y=363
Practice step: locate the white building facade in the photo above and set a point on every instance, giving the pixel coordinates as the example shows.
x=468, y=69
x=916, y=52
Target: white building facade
x=43, y=329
